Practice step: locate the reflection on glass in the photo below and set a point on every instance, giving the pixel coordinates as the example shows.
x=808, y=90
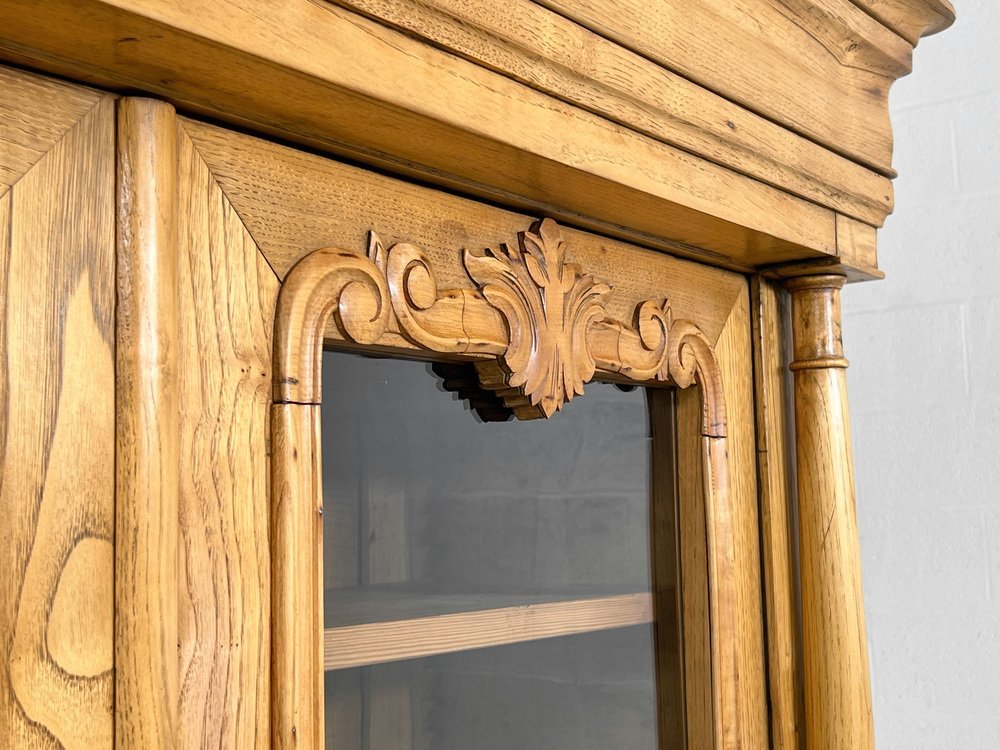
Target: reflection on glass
x=585, y=692
x=444, y=536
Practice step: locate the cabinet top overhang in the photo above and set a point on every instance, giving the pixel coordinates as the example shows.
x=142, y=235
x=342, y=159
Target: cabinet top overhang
x=751, y=134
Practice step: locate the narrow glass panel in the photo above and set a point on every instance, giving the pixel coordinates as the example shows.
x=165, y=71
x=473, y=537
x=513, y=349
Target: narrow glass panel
x=487, y=585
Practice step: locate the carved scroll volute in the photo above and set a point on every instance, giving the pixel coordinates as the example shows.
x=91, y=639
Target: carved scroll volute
x=692, y=360
x=326, y=283
x=659, y=348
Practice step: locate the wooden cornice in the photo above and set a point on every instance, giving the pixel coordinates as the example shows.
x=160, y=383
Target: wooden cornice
x=658, y=143
x=911, y=19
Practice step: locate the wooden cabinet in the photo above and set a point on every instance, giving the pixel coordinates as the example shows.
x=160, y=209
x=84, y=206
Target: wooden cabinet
x=543, y=198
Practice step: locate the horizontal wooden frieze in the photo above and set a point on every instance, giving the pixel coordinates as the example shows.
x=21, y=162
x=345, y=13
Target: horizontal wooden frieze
x=820, y=67
x=911, y=19
x=542, y=49
x=293, y=203
x=396, y=102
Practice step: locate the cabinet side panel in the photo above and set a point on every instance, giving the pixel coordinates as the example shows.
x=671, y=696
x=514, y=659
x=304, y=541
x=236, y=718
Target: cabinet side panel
x=57, y=427
x=227, y=297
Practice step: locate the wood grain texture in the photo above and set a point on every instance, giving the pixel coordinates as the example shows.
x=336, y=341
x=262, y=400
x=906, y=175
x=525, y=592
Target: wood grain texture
x=911, y=19
x=35, y=113
x=740, y=519
x=333, y=282
x=536, y=324
x=693, y=539
x=227, y=293
x=727, y=532
x=857, y=256
x=147, y=439
x=777, y=512
x=57, y=421
x=666, y=551
x=293, y=203
x=838, y=708
x=546, y=51
x=296, y=578
x=465, y=127
x=856, y=246
x=822, y=68
x=380, y=642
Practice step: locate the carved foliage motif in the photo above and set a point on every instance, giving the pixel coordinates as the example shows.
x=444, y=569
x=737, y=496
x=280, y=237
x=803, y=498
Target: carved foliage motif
x=549, y=307
x=541, y=319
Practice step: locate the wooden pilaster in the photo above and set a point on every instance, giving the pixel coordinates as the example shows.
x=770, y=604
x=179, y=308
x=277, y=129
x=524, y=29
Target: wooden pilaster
x=838, y=705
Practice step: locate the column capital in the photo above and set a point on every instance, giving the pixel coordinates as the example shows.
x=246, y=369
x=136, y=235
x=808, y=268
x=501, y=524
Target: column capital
x=817, y=342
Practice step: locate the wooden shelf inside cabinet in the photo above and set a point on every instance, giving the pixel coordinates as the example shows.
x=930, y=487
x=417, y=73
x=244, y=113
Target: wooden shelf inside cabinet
x=392, y=623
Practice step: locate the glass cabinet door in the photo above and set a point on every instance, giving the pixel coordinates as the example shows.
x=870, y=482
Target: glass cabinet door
x=493, y=585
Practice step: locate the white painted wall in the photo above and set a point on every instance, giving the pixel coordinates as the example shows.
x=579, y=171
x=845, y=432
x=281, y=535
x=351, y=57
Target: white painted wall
x=925, y=395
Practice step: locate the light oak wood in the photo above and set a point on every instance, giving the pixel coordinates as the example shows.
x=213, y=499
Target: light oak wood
x=296, y=577
x=777, y=499
x=380, y=642
x=519, y=285
x=911, y=20
x=838, y=709
x=665, y=553
x=374, y=603
x=546, y=51
x=57, y=416
x=293, y=203
x=148, y=467
x=35, y=113
x=542, y=319
x=856, y=260
x=819, y=67
x=81, y=646
x=233, y=61
x=856, y=246
x=741, y=625
x=693, y=540
x=704, y=521
x=227, y=294
x=149, y=553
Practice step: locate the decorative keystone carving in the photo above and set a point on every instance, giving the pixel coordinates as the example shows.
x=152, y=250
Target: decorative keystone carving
x=549, y=307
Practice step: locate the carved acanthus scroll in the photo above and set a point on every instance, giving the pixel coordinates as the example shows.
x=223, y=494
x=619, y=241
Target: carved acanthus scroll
x=541, y=320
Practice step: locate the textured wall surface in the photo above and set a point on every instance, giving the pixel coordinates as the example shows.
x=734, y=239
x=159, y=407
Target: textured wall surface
x=925, y=391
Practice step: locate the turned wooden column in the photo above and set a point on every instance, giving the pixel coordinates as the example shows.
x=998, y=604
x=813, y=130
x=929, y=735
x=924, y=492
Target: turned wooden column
x=837, y=687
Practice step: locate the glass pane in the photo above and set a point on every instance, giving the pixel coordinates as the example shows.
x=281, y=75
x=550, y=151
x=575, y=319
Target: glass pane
x=487, y=584
x=585, y=692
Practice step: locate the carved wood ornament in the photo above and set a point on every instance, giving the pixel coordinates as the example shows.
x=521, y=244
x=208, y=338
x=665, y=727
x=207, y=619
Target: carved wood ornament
x=542, y=319
x=537, y=330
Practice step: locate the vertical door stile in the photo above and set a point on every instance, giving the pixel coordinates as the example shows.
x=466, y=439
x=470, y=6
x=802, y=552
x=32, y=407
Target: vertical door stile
x=147, y=455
